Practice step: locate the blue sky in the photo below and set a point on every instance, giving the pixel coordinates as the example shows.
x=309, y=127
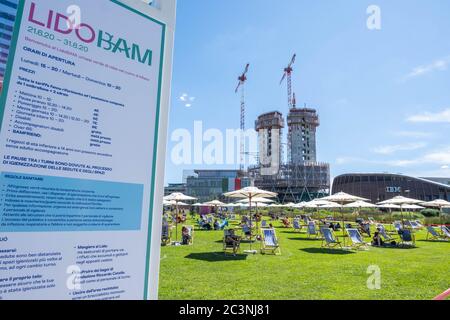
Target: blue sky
x=383, y=96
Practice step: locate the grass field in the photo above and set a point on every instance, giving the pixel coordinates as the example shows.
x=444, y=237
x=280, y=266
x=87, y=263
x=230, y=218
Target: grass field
x=303, y=271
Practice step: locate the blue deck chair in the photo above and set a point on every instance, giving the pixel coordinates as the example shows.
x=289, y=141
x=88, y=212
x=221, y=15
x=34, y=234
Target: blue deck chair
x=356, y=239
x=445, y=232
x=224, y=224
x=269, y=242
x=297, y=225
x=382, y=230
x=329, y=239
x=407, y=238
x=264, y=224
x=419, y=223
x=398, y=226
x=312, y=231
x=166, y=235
x=432, y=234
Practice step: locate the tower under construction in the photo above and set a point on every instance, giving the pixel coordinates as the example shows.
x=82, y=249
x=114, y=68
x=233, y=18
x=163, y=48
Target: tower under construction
x=301, y=177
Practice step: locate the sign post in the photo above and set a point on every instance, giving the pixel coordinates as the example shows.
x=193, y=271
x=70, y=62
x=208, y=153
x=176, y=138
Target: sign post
x=84, y=113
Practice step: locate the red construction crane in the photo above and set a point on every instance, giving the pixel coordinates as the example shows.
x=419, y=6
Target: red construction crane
x=288, y=75
x=242, y=79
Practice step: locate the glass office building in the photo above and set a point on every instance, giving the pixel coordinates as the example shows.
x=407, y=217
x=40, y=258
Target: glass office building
x=380, y=187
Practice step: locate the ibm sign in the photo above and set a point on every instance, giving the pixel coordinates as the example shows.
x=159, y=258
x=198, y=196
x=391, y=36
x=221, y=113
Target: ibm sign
x=393, y=189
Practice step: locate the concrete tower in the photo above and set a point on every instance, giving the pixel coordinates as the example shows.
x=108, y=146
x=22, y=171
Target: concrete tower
x=269, y=127
x=302, y=124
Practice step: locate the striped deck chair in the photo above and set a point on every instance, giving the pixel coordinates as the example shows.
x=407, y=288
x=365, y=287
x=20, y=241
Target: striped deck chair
x=329, y=239
x=433, y=234
x=419, y=223
x=382, y=230
x=312, y=231
x=398, y=226
x=264, y=224
x=356, y=239
x=445, y=232
x=297, y=225
x=407, y=238
x=269, y=242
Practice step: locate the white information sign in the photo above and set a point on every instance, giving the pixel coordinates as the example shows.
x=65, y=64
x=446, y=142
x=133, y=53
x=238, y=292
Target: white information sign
x=80, y=146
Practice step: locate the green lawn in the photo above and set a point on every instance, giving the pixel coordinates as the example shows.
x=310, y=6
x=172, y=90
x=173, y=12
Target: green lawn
x=303, y=271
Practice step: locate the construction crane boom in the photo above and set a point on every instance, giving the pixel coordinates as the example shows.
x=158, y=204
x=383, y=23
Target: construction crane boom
x=241, y=85
x=288, y=75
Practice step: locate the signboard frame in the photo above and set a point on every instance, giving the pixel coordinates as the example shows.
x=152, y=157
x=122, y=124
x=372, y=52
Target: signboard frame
x=164, y=14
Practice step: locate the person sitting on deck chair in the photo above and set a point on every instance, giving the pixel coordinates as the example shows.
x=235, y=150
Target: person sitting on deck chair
x=286, y=222
x=186, y=236
x=216, y=225
x=231, y=240
x=377, y=240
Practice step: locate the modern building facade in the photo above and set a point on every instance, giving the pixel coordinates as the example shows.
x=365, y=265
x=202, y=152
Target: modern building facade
x=207, y=185
x=175, y=187
x=8, y=9
x=302, y=126
x=381, y=186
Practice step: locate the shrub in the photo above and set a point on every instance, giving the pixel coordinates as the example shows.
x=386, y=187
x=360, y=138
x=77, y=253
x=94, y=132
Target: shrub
x=429, y=213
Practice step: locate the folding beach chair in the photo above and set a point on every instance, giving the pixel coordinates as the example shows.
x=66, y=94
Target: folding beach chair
x=432, y=234
x=382, y=230
x=297, y=225
x=416, y=225
x=312, y=230
x=419, y=223
x=166, y=235
x=398, y=226
x=329, y=239
x=407, y=238
x=231, y=241
x=372, y=220
x=411, y=224
x=247, y=233
x=264, y=224
x=356, y=239
x=269, y=242
x=445, y=232
x=224, y=224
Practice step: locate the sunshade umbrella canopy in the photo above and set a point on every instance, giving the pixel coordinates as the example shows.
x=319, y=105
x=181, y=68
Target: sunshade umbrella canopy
x=412, y=207
x=360, y=204
x=439, y=203
x=388, y=206
x=342, y=197
x=250, y=193
x=177, y=197
x=300, y=205
x=401, y=201
x=331, y=205
x=257, y=200
x=214, y=203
